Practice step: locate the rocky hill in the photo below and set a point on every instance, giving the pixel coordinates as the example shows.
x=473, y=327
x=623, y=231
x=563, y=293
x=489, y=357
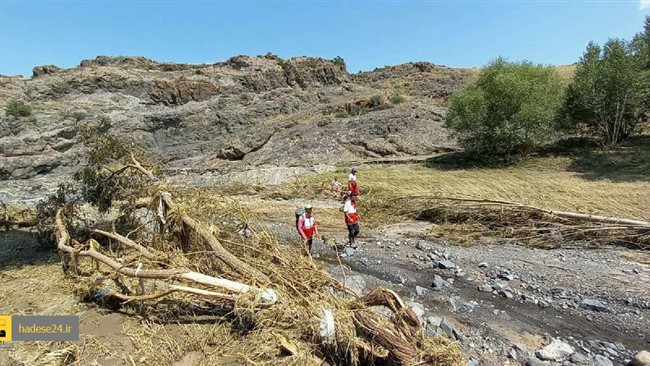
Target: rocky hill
x=244, y=113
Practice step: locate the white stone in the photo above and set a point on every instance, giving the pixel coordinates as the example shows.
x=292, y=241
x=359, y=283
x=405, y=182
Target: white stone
x=642, y=358
x=555, y=351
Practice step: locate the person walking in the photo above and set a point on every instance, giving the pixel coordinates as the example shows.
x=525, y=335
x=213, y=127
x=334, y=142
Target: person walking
x=307, y=227
x=353, y=185
x=351, y=217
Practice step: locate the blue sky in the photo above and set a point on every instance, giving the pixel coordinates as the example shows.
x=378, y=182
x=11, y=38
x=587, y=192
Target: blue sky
x=366, y=34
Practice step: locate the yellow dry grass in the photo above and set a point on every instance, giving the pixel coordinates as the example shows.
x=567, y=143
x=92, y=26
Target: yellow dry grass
x=541, y=182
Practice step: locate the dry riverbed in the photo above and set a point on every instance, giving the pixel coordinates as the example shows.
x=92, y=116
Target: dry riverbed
x=504, y=302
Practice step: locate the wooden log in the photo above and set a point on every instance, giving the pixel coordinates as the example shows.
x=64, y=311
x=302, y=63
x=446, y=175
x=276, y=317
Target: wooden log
x=267, y=296
x=218, y=250
x=128, y=242
x=172, y=289
x=634, y=224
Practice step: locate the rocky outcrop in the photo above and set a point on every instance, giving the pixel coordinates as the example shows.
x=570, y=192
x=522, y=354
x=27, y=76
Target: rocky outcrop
x=418, y=79
x=258, y=111
x=182, y=91
x=39, y=71
x=137, y=62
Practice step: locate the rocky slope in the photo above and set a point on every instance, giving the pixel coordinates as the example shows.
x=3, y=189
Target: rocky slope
x=245, y=113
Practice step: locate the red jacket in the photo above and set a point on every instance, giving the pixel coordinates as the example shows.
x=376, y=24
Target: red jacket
x=353, y=187
x=350, y=212
x=307, y=226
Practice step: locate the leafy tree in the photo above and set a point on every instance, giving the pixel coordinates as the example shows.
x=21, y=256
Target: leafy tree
x=640, y=45
x=18, y=109
x=609, y=92
x=510, y=109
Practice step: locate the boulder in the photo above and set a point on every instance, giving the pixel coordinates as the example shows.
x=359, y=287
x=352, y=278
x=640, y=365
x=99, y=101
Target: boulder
x=438, y=283
x=449, y=329
x=485, y=288
x=39, y=71
x=580, y=359
x=446, y=264
x=595, y=305
x=555, y=351
x=421, y=291
x=602, y=361
x=642, y=358
x=423, y=246
x=535, y=362
x=434, y=321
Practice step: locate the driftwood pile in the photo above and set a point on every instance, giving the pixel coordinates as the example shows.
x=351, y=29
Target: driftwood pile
x=534, y=225
x=270, y=291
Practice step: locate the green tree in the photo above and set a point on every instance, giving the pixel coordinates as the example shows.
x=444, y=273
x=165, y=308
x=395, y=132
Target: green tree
x=609, y=92
x=510, y=109
x=18, y=109
x=640, y=45
x=338, y=60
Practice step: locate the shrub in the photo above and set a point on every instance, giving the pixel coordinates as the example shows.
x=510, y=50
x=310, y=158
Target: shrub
x=376, y=101
x=509, y=110
x=18, y=109
x=397, y=98
x=356, y=110
x=78, y=115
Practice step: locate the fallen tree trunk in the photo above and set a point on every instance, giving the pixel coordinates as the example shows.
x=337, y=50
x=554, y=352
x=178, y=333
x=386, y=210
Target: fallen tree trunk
x=128, y=242
x=357, y=335
x=267, y=296
x=635, y=224
x=218, y=250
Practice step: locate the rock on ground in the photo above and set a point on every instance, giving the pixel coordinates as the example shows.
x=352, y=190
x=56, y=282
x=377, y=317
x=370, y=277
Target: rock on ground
x=555, y=351
x=602, y=361
x=421, y=291
x=418, y=310
x=595, y=305
x=356, y=283
x=535, y=362
x=438, y=283
x=641, y=359
x=446, y=264
x=580, y=359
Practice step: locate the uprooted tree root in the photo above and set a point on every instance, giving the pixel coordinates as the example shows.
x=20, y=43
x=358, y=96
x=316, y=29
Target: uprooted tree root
x=283, y=307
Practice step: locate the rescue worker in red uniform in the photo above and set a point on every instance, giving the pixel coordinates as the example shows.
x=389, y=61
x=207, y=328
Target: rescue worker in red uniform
x=353, y=185
x=307, y=227
x=351, y=217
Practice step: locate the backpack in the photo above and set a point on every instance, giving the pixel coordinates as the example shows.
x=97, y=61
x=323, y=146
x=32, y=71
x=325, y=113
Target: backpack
x=299, y=212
